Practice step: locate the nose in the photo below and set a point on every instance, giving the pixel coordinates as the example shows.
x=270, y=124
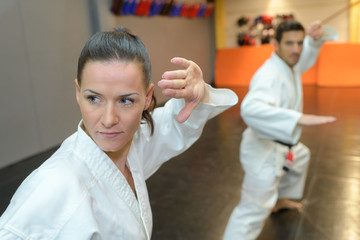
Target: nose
x=110, y=116
x=297, y=48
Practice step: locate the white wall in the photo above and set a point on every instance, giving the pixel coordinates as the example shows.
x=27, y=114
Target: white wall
x=16, y=95
x=38, y=51
x=39, y=45
x=306, y=11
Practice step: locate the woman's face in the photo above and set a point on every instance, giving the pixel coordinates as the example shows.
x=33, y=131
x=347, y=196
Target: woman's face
x=112, y=96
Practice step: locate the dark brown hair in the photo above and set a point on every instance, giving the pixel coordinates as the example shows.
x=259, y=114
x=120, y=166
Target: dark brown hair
x=286, y=26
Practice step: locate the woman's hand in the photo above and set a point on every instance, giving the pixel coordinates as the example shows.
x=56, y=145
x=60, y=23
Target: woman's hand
x=186, y=83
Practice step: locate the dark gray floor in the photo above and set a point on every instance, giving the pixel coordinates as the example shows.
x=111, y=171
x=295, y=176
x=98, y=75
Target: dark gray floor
x=193, y=195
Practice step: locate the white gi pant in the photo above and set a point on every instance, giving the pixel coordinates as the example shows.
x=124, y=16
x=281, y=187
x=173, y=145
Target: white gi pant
x=260, y=193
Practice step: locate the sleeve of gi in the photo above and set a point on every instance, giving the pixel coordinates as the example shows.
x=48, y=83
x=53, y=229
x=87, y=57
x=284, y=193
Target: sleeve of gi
x=171, y=138
x=312, y=48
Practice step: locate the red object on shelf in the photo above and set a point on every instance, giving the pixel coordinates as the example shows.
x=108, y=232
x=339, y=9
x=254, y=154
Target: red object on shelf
x=185, y=10
x=209, y=10
x=193, y=10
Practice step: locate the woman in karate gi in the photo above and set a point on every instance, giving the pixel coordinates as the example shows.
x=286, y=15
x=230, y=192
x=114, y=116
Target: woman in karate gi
x=272, y=109
x=93, y=187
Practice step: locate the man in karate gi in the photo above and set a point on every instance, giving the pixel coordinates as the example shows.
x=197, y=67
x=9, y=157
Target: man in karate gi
x=272, y=109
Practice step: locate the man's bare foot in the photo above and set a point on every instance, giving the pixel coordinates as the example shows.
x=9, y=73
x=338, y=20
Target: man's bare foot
x=286, y=204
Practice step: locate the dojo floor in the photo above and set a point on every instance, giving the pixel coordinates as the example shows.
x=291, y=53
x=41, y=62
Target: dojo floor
x=193, y=195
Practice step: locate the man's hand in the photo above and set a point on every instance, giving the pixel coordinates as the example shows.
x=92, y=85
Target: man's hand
x=186, y=83
x=315, y=30
x=309, y=120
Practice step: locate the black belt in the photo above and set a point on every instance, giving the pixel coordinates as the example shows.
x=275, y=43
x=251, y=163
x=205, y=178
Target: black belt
x=285, y=144
x=289, y=157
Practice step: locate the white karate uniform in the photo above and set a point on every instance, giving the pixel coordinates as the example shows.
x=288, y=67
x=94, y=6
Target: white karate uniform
x=79, y=193
x=271, y=109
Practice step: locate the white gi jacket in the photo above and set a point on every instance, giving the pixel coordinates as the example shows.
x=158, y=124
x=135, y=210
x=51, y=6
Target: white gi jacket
x=271, y=110
x=79, y=193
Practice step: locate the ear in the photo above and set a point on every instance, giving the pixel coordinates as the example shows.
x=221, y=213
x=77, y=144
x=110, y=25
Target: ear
x=149, y=95
x=276, y=45
x=77, y=87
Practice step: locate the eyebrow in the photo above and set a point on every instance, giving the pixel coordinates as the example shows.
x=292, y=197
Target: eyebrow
x=96, y=93
x=291, y=41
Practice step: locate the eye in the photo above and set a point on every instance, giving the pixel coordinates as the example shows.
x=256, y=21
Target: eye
x=93, y=99
x=127, y=101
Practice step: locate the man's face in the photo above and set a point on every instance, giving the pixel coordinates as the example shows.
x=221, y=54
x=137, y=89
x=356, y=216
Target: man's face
x=290, y=47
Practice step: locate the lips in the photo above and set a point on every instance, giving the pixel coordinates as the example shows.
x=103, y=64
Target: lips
x=110, y=134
